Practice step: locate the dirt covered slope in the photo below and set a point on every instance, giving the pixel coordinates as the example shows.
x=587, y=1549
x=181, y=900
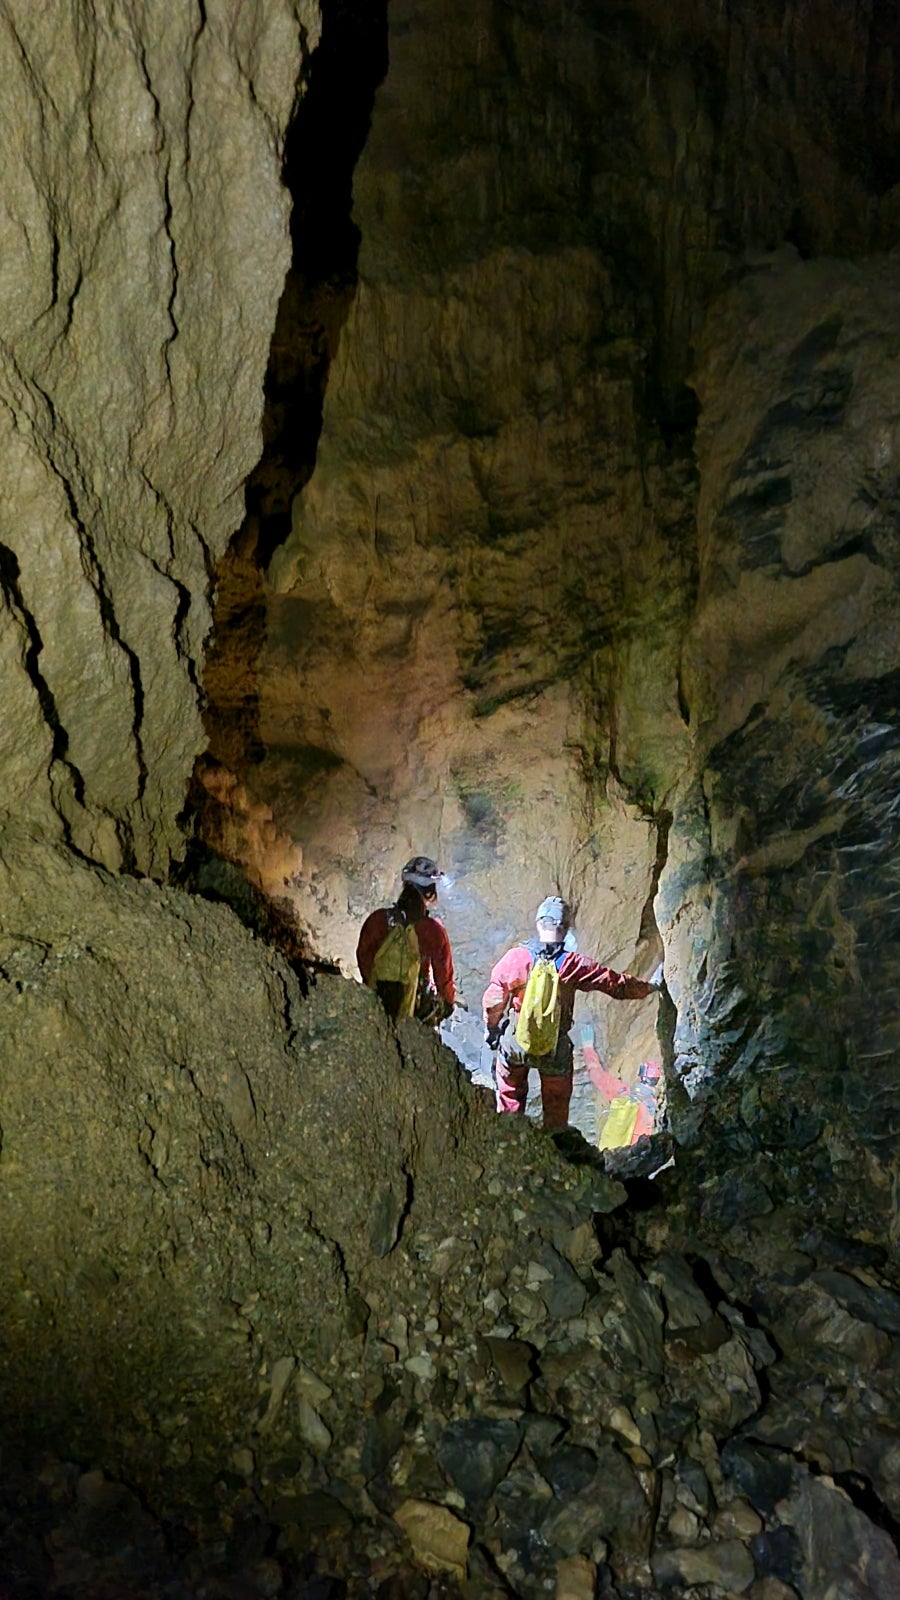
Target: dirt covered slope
x=286, y=1308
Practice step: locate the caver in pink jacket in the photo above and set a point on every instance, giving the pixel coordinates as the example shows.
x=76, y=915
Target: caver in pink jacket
x=510, y=975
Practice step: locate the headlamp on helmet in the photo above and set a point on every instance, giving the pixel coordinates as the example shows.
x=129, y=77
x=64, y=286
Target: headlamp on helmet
x=553, y=911
x=422, y=873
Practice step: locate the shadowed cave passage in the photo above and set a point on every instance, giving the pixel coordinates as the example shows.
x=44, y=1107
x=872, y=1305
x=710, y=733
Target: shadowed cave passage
x=556, y=405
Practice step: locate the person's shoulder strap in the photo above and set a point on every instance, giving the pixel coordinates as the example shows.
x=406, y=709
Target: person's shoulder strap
x=537, y=948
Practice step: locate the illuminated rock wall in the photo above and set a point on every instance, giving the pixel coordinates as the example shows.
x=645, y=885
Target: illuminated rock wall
x=144, y=244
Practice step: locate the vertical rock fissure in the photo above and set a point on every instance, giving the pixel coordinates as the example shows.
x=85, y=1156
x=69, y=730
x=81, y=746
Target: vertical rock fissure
x=93, y=572
x=12, y=594
x=332, y=120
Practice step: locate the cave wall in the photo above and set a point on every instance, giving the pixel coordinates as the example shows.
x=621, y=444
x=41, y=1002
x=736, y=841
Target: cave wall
x=466, y=577
x=258, y=1253
x=779, y=891
x=473, y=632
x=144, y=245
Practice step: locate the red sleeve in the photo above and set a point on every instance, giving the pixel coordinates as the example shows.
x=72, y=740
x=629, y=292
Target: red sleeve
x=371, y=935
x=434, y=949
x=507, y=982
x=582, y=973
x=607, y=1083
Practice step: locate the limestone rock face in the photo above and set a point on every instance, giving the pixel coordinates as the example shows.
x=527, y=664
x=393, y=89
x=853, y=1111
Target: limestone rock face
x=473, y=632
x=783, y=957
x=144, y=241
x=593, y=587
x=464, y=589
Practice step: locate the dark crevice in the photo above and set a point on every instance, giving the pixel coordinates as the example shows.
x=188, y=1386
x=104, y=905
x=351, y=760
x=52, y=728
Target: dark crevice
x=182, y=611
x=167, y=196
x=322, y=148
x=94, y=574
x=881, y=158
x=649, y=932
x=12, y=593
x=861, y=1494
x=856, y=545
x=206, y=873
x=332, y=120
x=195, y=41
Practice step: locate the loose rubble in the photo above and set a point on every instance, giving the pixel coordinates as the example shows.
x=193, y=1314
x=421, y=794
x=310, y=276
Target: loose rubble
x=313, y=1322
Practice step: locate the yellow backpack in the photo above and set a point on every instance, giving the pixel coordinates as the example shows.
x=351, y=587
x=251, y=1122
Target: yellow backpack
x=397, y=961
x=537, y=1028
x=618, y=1129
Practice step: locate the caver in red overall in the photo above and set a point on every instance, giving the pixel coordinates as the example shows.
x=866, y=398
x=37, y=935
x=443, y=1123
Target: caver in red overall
x=502, y=1001
x=642, y=1094
x=434, y=951
x=437, y=985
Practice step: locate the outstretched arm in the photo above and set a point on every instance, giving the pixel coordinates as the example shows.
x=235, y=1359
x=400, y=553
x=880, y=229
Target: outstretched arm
x=591, y=976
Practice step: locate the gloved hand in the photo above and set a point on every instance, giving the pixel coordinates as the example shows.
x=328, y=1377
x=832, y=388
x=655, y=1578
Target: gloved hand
x=492, y=1036
x=656, y=979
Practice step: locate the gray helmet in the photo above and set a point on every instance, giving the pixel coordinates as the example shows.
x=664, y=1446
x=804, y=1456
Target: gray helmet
x=554, y=910
x=422, y=873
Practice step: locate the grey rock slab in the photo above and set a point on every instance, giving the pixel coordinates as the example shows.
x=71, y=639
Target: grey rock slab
x=513, y=1359
x=476, y=1453
x=776, y=1551
x=633, y=1324
x=727, y=1563
x=612, y=1505
x=843, y=1552
x=569, y=1469
x=686, y=1304
x=541, y=1432
x=762, y=1475
x=868, y=1302
x=565, y=1294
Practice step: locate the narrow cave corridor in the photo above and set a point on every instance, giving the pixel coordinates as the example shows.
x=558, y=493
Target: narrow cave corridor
x=471, y=432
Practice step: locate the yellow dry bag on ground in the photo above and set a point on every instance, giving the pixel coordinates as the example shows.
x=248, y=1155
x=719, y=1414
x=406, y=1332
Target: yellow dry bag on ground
x=397, y=963
x=537, y=1028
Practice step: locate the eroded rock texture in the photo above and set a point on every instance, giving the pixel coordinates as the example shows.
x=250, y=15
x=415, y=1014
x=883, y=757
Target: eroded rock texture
x=456, y=625
x=791, y=674
x=286, y=1308
x=144, y=246
x=588, y=582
